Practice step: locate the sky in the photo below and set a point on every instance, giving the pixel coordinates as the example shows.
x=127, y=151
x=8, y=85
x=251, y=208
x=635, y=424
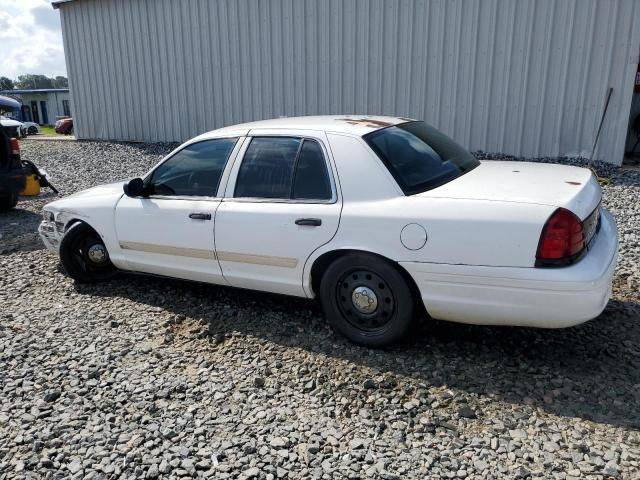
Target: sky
x=30, y=39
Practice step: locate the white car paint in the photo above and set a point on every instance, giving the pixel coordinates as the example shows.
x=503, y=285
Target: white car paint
x=475, y=263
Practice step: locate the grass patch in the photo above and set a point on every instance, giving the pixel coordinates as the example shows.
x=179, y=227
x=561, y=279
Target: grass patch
x=48, y=130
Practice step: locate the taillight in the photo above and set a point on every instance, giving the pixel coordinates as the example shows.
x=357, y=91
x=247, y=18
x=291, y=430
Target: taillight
x=562, y=240
x=15, y=146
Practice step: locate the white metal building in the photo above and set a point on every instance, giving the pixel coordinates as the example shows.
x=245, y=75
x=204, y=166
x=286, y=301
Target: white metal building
x=519, y=77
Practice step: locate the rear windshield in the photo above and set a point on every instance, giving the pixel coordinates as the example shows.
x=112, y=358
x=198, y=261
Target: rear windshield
x=420, y=157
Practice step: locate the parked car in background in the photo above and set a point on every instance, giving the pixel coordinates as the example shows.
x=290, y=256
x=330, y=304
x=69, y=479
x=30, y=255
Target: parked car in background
x=13, y=128
x=32, y=128
x=372, y=215
x=64, y=126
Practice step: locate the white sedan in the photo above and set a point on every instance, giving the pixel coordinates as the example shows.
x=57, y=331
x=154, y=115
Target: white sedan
x=372, y=215
x=32, y=128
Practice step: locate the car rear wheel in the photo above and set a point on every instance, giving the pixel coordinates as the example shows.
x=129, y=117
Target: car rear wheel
x=367, y=299
x=84, y=255
x=32, y=130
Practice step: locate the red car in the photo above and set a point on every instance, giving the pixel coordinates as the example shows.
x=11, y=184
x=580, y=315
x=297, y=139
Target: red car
x=65, y=126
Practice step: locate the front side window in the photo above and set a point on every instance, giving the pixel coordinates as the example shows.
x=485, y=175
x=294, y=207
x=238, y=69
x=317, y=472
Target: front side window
x=420, y=157
x=193, y=171
x=283, y=168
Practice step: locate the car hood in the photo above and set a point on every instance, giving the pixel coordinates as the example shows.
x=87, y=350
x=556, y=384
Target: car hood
x=104, y=194
x=99, y=191
x=573, y=188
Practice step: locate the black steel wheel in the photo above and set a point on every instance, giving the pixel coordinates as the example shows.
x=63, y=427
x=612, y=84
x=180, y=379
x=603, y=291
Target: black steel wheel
x=367, y=299
x=84, y=255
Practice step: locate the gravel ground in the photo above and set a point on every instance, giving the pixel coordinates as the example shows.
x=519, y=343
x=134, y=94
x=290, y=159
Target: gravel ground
x=146, y=378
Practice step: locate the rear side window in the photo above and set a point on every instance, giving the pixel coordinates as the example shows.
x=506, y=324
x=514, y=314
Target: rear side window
x=311, y=180
x=193, y=171
x=420, y=157
x=283, y=168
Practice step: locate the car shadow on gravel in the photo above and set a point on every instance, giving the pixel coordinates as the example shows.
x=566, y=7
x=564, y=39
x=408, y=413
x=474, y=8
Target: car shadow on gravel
x=19, y=231
x=591, y=371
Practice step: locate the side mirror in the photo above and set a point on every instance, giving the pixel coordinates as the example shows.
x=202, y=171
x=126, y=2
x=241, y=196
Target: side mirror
x=134, y=188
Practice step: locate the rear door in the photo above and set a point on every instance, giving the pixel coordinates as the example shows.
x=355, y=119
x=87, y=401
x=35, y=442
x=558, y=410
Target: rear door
x=281, y=204
x=170, y=232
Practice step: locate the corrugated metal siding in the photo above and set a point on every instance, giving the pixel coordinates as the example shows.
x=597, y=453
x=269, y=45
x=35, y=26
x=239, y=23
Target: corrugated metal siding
x=511, y=76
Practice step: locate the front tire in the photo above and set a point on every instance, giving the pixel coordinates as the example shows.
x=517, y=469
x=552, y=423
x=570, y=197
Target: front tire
x=84, y=256
x=366, y=299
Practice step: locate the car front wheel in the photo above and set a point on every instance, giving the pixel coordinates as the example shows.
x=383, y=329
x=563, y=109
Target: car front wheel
x=84, y=255
x=367, y=299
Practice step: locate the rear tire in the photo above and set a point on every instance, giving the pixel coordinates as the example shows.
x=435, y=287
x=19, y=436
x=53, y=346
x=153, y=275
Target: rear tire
x=8, y=202
x=366, y=299
x=84, y=255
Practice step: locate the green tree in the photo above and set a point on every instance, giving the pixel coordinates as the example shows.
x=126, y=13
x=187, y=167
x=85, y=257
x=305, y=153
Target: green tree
x=60, y=82
x=6, y=83
x=34, y=81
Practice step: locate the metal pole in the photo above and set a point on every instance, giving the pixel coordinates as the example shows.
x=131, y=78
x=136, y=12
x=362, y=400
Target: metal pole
x=604, y=113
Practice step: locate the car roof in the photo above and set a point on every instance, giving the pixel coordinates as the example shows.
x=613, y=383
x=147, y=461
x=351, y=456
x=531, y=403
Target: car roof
x=347, y=124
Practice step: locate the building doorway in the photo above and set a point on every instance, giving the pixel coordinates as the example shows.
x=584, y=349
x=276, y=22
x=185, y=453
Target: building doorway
x=43, y=109
x=34, y=112
x=26, y=113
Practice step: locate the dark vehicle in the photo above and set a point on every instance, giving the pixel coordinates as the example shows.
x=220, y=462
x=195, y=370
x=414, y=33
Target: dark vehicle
x=12, y=175
x=65, y=126
x=13, y=128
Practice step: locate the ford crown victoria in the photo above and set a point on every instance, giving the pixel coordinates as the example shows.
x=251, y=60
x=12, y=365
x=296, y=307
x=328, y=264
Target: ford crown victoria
x=375, y=216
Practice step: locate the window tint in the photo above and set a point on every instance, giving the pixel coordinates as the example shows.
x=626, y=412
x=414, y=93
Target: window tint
x=420, y=157
x=193, y=171
x=283, y=168
x=311, y=181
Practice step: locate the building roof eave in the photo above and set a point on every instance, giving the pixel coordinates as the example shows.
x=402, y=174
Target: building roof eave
x=56, y=3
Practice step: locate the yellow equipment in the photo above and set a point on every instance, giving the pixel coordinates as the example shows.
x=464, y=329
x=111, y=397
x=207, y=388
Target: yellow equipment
x=36, y=180
x=32, y=187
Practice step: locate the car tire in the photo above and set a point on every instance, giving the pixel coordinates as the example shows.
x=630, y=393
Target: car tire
x=32, y=130
x=84, y=255
x=367, y=299
x=8, y=202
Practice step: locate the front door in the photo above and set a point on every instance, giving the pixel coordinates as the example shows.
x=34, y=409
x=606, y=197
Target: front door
x=170, y=231
x=281, y=204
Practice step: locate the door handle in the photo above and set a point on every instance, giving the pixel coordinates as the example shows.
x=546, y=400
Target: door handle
x=309, y=222
x=200, y=216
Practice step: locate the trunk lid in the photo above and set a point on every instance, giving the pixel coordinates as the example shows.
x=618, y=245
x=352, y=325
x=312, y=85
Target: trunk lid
x=573, y=188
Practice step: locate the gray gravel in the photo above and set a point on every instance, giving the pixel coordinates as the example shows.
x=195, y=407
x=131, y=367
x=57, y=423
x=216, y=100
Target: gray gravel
x=150, y=378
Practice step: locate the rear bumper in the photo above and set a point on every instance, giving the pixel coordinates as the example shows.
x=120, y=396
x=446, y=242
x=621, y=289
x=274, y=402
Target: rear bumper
x=533, y=297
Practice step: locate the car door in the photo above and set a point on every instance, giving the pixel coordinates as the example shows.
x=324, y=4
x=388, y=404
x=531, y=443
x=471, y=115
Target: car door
x=170, y=230
x=281, y=204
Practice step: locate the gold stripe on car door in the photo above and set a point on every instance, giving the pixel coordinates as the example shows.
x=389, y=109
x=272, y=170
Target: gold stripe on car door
x=284, y=262
x=167, y=250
